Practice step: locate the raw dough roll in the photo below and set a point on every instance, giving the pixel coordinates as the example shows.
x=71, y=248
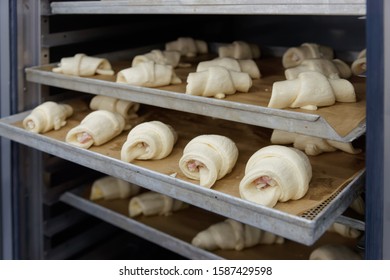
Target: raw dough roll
x=359, y=66
x=149, y=140
x=217, y=81
x=311, y=90
x=239, y=65
x=208, y=158
x=239, y=50
x=82, y=65
x=358, y=205
x=148, y=74
x=294, y=56
x=276, y=173
x=335, y=68
x=334, y=252
x=160, y=57
x=47, y=116
x=344, y=230
x=153, y=203
x=187, y=46
x=311, y=145
x=233, y=235
x=96, y=129
x=109, y=187
x=127, y=109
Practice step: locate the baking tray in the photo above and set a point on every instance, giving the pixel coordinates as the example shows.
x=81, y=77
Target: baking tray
x=260, y=7
x=341, y=122
x=337, y=177
x=175, y=232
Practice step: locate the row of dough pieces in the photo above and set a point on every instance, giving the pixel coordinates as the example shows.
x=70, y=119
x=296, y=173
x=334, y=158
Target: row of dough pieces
x=226, y=235
x=314, y=77
x=273, y=174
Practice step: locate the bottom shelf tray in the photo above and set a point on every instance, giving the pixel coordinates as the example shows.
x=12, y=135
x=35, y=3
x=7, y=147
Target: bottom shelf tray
x=175, y=232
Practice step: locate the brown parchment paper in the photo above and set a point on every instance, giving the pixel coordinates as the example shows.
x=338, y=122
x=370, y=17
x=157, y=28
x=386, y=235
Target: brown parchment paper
x=342, y=117
x=331, y=171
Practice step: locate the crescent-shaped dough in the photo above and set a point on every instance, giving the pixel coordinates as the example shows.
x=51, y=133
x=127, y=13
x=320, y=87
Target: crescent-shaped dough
x=96, y=129
x=239, y=50
x=239, y=65
x=208, y=158
x=344, y=230
x=149, y=140
x=153, y=203
x=109, y=187
x=217, y=81
x=82, y=65
x=359, y=66
x=311, y=90
x=47, y=116
x=148, y=74
x=233, y=235
x=160, y=57
x=334, y=252
x=295, y=55
x=187, y=46
x=276, y=173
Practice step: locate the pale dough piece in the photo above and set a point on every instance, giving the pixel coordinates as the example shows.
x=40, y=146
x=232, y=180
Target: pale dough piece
x=148, y=74
x=239, y=50
x=153, y=203
x=334, y=252
x=208, y=158
x=149, y=140
x=217, y=81
x=311, y=145
x=359, y=66
x=276, y=173
x=160, y=57
x=233, y=235
x=96, y=129
x=47, y=116
x=127, y=109
x=239, y=65
x=335, y=68
x=82, y=65
x=295, y=55
x=109, y=187
x=310, y=91
x=187, y=46
x=344, y=230
x=358, y=205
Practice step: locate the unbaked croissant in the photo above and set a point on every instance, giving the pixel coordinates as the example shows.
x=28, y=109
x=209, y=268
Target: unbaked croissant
x=47, y=116
x=217, y=81
x=335, y=68
x=96, y=129
x=187, y=46
x=233, y=235
x=149, y=140
x=276, y=173
x=310, y=91
x=358, y=67
x=239, y=50
x=311, y=145
x=148, y=74
x=239, y=65
x=295, y=55
x=109, y=187
x=344, y=230
x=127, y=109
x=160, y=57
x=208, y=158
x=358, y=205
x=334, y=252
x=83, y=65
x=153, y=203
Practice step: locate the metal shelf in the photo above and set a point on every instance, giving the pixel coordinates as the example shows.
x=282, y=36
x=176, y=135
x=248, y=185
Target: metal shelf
x=253, y=7
x=250, y=108
x=305, y=228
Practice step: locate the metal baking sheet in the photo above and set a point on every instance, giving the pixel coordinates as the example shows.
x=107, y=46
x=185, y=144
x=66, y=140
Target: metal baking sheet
x=305, y=228
x=260, y=7
x=249, y=108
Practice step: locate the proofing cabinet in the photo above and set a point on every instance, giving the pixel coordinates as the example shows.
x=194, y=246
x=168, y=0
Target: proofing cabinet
x=46, y=212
